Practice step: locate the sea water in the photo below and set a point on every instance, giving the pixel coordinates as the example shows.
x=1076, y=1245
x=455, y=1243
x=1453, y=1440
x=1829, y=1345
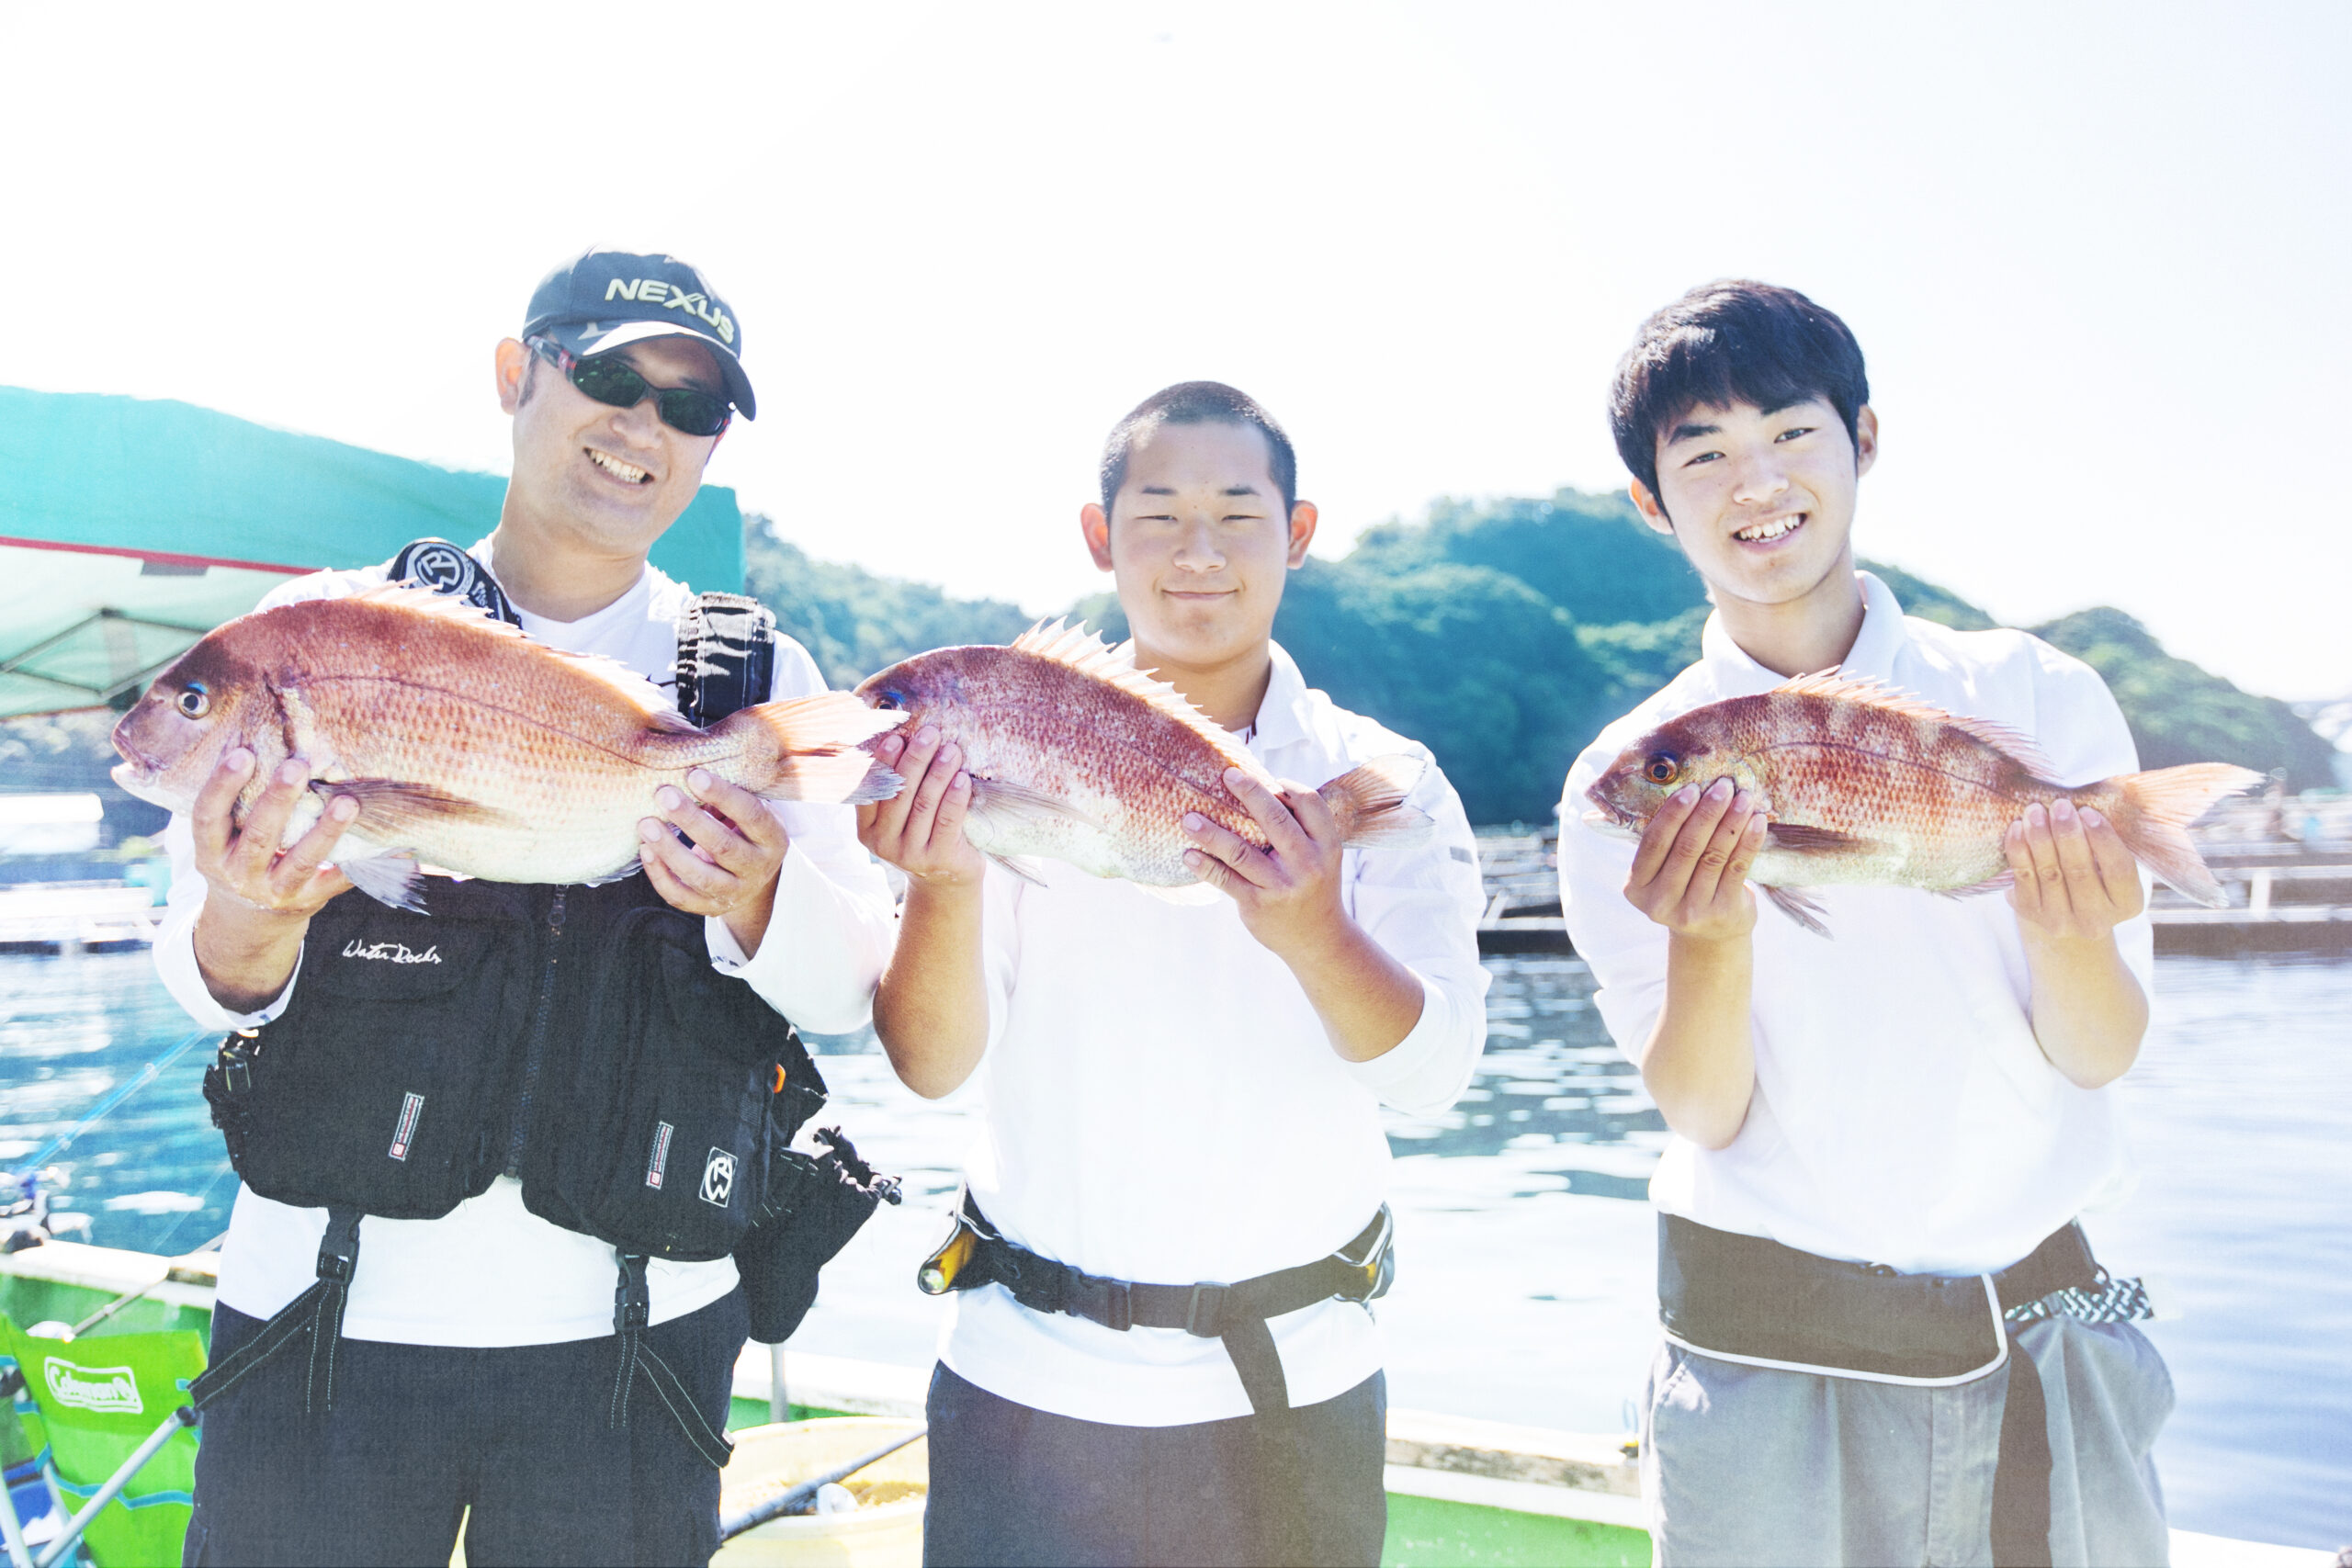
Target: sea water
x=1525, y=1290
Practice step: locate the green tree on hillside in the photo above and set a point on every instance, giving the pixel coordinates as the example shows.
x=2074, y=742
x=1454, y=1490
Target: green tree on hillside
x=2179, y=713
x=853, y=622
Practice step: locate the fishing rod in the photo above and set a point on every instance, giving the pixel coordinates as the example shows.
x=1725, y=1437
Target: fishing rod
x=139, y=1080
x=798, y=1497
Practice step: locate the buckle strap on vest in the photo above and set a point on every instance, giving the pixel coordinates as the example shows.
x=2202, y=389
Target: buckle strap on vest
x=317, y=1312
x=1233, y=1313
x=632, y=1314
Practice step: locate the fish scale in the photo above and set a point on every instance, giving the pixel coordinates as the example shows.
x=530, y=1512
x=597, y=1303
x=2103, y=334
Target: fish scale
x=1865, y=786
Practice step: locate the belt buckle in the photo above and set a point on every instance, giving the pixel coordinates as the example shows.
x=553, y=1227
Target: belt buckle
x=1210, y=1292
x=1373, y=1260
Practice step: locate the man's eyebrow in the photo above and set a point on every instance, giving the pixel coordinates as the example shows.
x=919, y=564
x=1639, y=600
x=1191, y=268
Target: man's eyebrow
x=1689, y=431
x=1158, y=490
x=1242, y=489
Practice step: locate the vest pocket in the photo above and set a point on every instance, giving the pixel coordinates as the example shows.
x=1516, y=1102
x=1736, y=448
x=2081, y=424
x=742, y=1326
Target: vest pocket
x=662, y=1147
x=371, y=1088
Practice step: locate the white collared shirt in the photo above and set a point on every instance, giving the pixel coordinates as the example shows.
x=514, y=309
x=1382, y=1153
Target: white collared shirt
x=490, y=1272
x=1904, y=1113
x=1163, y=1103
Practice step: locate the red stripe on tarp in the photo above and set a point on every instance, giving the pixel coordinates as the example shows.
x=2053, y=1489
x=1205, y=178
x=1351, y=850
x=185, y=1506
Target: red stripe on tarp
x=167, y=557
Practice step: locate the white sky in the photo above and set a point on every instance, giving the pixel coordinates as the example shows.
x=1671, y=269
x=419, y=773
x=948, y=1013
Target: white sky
x=2096, y=254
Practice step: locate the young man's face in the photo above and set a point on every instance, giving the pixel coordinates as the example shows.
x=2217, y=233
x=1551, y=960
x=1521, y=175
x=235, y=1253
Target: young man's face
x=1198, y=543
x=619, y=475
x=1762, y=502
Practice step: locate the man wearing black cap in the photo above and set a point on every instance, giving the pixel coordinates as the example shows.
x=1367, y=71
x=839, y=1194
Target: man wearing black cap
x=496, y=1356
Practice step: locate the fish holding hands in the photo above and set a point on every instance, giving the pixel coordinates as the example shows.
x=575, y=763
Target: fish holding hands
x=1865, y=786
x=465, y=743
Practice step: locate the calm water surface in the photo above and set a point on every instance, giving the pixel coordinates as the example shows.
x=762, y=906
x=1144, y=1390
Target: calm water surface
x=1527, y=1253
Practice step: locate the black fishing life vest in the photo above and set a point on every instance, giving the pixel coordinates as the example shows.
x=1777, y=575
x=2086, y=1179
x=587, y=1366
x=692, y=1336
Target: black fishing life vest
x=576, y=1038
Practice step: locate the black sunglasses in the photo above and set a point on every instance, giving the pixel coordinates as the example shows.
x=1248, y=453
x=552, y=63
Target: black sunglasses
x=611, y=380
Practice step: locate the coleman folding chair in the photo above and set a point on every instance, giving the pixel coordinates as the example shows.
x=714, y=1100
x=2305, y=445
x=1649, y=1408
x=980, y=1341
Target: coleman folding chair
x=109, y=1420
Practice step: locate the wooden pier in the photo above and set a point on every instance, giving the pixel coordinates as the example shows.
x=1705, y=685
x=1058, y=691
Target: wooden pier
x=2287, y=894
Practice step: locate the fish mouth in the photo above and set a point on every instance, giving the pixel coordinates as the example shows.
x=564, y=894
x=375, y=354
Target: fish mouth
x=1772, y=530
x=1610, y=824
x=1607, y=814
x=626, y=473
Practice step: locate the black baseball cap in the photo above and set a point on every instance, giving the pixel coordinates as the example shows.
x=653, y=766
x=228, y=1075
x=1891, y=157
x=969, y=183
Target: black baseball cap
x=601, y=299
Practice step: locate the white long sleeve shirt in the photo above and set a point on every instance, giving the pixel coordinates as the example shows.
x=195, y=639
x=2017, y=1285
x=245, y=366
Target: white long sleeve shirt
x=1904, y=1113
x=490, y=1272
x=1163, y=1103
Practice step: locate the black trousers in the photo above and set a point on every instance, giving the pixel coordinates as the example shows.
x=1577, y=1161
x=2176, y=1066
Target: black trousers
x=1012, y=1485
x=419, y=1433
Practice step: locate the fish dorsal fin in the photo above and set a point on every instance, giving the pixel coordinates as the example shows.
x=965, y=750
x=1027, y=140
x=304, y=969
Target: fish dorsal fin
x=1870, y=692
x=1086, y=653
x=626, y=683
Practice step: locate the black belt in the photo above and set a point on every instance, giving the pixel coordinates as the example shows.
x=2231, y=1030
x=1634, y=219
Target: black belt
x=1744, y=1298
x=1235, y=1314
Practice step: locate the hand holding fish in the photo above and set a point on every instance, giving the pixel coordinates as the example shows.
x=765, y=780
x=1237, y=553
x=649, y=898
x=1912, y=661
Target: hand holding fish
x=1689, y=872
x=2074, y=878
x=1289, y=891
x=731, y=869
x=920, y=829
x=1289, y=899
x=259, y=898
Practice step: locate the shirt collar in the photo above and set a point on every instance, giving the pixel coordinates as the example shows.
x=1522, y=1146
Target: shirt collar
x=1872, y=655
x=1282, y=712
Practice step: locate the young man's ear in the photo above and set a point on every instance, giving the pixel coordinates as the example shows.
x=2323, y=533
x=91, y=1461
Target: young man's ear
x=1865, y=439
x=1095, y=524
x=1647, y=505
x=514, y=362
x=1302, y=531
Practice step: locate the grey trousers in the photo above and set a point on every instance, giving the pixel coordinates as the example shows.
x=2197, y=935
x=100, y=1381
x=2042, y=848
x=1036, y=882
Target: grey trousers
x=1751, y=1465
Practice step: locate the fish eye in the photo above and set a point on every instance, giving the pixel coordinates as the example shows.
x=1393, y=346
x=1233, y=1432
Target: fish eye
x=1662, y=767
x=895, y=701
x=194, y=700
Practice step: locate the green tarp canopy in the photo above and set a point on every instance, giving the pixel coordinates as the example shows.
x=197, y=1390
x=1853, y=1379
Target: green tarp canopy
x=129, y=528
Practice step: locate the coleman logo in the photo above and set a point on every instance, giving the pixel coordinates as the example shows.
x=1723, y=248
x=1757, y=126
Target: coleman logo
x=654, y=291
x=718, y=1177
x=390, y=951
x=412, y=1106
x=110, y=1391
x=661, y=1160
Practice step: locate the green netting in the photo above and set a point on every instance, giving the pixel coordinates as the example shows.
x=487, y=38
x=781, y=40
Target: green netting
x=90, y=1403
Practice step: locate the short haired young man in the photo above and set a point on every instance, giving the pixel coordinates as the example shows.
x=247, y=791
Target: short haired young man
x=1180, y=1096
x=1878, y=1137
x=477, y=1362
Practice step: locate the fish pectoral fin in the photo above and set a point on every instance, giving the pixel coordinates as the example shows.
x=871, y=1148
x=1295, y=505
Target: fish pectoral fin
x=1025, y=870
x=1804, y=911
x=392, y=878
x=1003, y=802
x=2000, y=884
x=387, y=806
x=623, y=875
x=1190, y=896
x=1803, y=839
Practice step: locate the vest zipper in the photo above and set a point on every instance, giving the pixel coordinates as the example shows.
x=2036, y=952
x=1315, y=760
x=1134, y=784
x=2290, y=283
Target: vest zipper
x=536, y=1051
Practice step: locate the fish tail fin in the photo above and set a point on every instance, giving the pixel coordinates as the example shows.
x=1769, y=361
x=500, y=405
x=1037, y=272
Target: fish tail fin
x=1368, y=802
x=2152, y=814
x=813, y=749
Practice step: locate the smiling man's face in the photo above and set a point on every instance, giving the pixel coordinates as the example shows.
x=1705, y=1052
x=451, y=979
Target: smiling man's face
x=1762, y=500
x=618, y=475
x=1199, y=544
